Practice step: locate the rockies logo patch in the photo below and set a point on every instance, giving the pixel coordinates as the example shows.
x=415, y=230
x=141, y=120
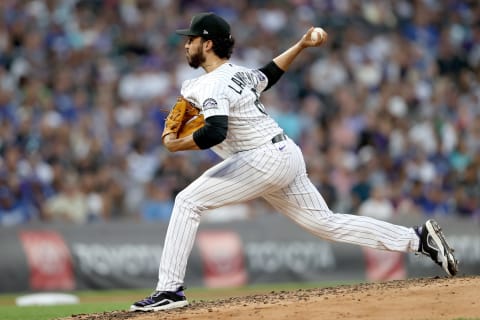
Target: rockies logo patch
x=210, y=103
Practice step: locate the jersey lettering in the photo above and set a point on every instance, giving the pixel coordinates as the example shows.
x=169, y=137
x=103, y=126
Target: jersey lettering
x=257, y=102
x=241, y=80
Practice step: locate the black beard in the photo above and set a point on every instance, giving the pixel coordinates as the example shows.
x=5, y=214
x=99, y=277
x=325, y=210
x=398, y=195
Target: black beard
x=196, y=59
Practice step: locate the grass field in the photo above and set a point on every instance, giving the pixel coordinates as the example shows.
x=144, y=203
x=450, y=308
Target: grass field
x=110, y=300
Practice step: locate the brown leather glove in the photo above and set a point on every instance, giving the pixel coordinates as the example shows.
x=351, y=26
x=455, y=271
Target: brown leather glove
x=192, y=125
x=183, y=119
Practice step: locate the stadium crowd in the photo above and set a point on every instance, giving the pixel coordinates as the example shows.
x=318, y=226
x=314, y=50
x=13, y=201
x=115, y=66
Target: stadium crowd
x=387, y=113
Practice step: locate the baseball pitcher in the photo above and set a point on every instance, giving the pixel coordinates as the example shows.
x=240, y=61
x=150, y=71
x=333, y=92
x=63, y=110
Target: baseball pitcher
x=222, y=110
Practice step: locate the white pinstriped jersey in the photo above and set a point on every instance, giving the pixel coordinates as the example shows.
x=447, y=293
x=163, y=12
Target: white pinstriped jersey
x=234, y=91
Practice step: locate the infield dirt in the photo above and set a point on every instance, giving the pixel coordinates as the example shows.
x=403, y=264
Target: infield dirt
x=425, y=298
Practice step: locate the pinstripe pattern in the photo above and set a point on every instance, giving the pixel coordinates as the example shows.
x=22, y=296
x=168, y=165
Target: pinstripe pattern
x=243, y=176
x=279, y=176
x=302, y=202
x=255, y=167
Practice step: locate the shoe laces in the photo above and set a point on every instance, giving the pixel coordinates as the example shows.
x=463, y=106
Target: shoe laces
x=155, y=294
x=150, y=299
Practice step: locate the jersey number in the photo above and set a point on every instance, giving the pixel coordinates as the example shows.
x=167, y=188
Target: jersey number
x=257, y=102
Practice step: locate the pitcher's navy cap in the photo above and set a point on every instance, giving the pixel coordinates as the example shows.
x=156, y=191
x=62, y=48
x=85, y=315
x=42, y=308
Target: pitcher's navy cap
x=207, y=25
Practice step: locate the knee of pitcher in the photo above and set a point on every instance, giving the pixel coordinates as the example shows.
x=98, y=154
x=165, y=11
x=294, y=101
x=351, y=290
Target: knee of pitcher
x=186, y=204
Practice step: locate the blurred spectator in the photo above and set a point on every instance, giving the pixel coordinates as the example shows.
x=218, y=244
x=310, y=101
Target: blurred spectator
x=378, y=205
x=419, y=167
x=467, y=192
x=158, y=203
x=416, y=196
x=330, y=67
x=13, y=211
x=436, y=202
x=460, y=157
x=141, y=167
x=69, y=204
x=362, y=188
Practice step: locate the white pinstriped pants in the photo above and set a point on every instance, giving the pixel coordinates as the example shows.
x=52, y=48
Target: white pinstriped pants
x=277, y=173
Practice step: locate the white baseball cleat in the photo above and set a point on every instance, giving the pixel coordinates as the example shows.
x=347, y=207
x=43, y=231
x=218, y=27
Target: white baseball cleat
x=434, y=245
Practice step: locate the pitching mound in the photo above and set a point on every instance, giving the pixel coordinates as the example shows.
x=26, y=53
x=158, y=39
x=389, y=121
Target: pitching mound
x=432, y=298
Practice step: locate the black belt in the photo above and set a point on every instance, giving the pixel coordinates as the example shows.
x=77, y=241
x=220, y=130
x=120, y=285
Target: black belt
x=279, y=137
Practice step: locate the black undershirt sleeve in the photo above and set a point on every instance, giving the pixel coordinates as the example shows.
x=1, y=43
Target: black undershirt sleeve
x=272, y=72
x=212, y=133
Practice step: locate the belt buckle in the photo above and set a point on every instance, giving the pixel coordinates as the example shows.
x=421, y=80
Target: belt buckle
x=279, y=137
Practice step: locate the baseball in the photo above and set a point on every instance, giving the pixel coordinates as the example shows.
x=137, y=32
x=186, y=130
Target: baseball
x=318, y=34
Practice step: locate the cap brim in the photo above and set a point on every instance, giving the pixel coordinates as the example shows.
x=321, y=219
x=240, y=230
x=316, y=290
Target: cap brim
x=186, y=32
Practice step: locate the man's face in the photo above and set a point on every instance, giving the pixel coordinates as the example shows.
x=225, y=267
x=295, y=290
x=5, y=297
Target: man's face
x=194, y=52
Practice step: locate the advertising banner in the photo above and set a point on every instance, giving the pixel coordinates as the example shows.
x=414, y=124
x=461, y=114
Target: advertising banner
x=268, y=249
x=49, y=260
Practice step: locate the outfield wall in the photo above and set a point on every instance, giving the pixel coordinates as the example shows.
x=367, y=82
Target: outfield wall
x=266, y=250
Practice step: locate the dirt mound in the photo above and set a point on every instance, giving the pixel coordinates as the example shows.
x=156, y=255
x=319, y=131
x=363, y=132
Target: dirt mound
x=426, y=298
